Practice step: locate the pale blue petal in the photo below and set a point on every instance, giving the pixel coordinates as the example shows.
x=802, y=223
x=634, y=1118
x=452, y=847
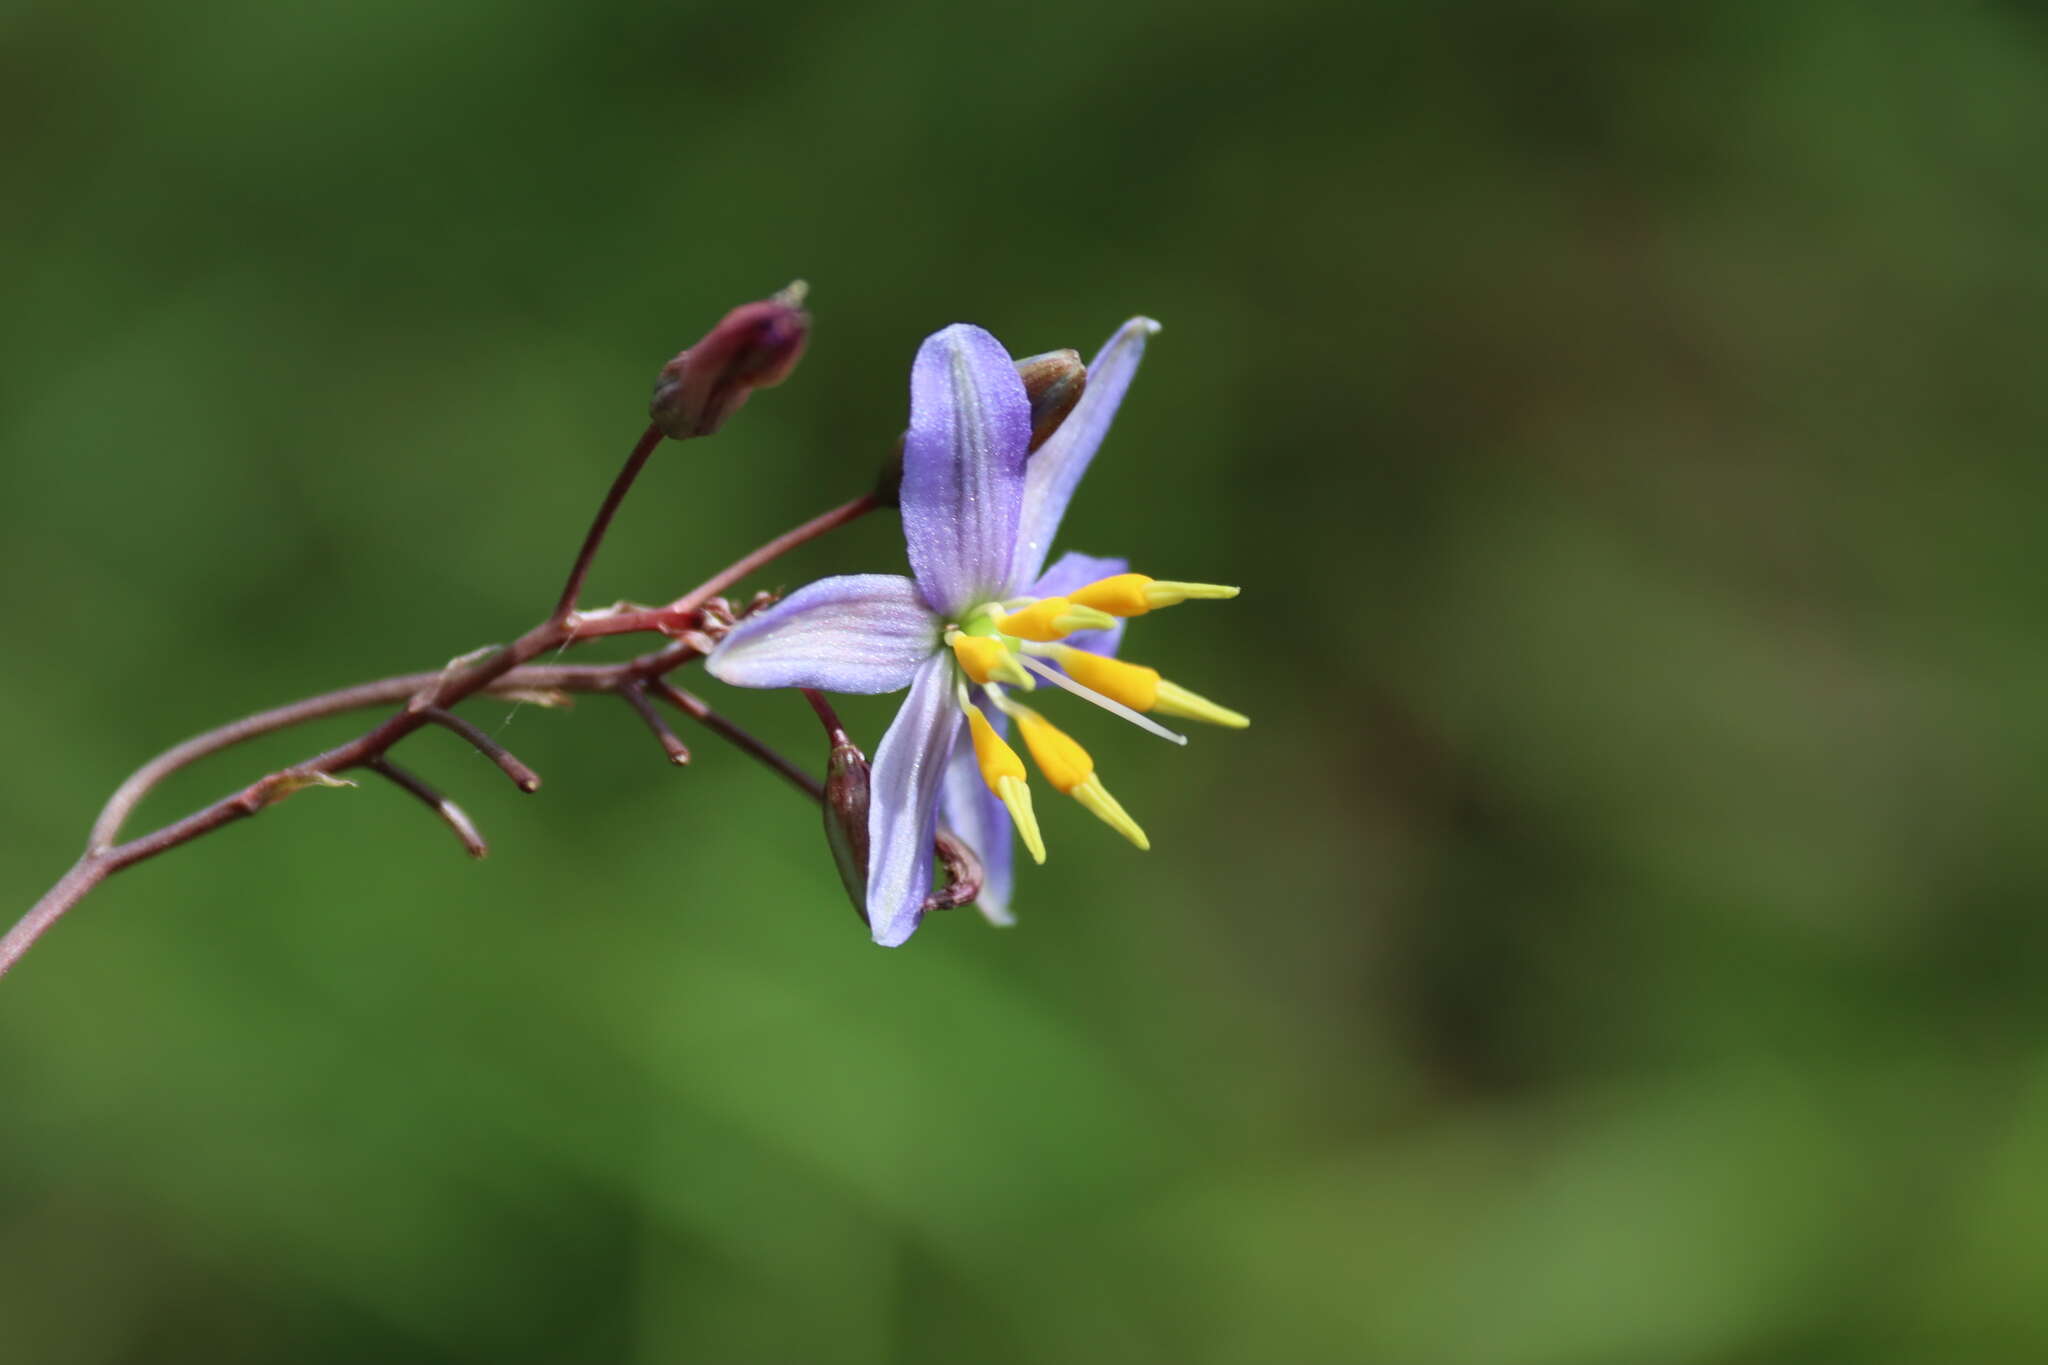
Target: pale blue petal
x=903, y=802
x=1071, y=572
x=969, y=809
x=963, y=467
x=1052, y=473
x=857, y=633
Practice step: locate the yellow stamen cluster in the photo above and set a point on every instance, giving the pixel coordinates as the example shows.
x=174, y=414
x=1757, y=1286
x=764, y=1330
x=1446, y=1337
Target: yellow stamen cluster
x=1038, y=628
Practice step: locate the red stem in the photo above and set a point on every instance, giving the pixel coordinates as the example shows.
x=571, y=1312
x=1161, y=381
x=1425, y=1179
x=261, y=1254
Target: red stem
x=602, y=522
x=428, y=697
x=635, y=694
x=523, y=777
x=696, y=709
x=453, y=815
x=681, y=613
x=835, y=733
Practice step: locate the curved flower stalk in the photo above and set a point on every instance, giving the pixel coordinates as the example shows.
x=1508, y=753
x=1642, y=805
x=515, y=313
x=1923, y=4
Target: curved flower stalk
x=979, y=620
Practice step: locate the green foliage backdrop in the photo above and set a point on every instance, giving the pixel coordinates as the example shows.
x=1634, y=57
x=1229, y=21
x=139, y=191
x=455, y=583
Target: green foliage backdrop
x=1619, y=939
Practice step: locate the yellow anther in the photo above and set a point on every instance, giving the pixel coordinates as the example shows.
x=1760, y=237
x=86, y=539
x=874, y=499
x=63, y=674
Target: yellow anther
x=1133, y=594
x=1175, y=700
x=1052, y=618
x=1105, y=808
x=1135, y=685
x=1016, y=797
x=1004, y=773
x=1070, y=770
x=1120, y=595
x=987, y=660
x=1167, y=594
x=997, y=759
x=1142, y=689
x=1064, y=762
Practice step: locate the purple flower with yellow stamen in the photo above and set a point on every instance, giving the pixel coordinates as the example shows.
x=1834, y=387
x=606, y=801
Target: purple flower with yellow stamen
x=980, y=619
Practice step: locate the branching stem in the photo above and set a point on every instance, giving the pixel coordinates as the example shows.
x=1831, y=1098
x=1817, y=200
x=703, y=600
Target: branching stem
x=693, y=707
x=602, y=522
x=428, y=698
x=523, y=777
x=456, y=817
x=635, y=694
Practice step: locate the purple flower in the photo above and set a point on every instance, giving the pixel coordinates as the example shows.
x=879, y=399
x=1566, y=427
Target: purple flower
x=980, y=620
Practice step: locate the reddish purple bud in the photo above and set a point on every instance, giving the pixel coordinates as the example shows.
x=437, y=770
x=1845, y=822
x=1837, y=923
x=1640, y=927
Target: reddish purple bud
x=755, y=346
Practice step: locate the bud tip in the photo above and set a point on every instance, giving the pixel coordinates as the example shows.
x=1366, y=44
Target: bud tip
x=755, y=346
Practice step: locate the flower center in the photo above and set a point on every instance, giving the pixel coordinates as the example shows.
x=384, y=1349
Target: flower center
x=980, y=620
x=999, y=645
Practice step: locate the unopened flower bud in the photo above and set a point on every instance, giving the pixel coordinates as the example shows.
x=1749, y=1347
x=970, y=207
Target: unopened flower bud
x=846, y=818
x=755, y=346
x=1053, y=383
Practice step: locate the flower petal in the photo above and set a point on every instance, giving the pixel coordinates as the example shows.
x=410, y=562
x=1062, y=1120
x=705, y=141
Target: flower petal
x=1071, y=572
x=856, y=633
x=963, y=467
x=903, y=802
x=1051, y=475
x=969, y=809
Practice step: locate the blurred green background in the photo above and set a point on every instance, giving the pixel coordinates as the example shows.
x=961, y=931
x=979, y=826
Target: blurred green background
x=1619, y=939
